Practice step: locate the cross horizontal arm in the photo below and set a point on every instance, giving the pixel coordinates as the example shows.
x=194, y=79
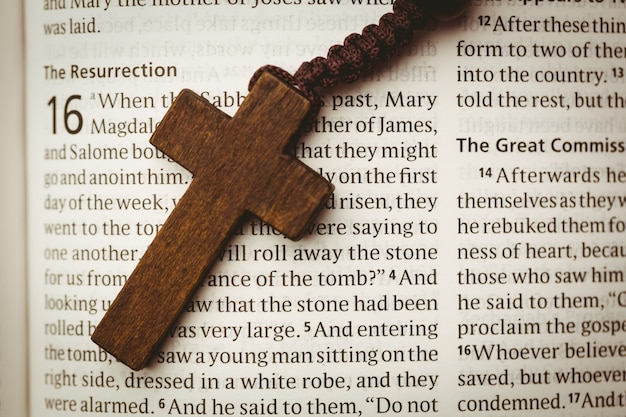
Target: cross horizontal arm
x=292, y=197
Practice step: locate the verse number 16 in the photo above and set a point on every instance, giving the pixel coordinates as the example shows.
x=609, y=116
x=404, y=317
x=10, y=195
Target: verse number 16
x=68, y=115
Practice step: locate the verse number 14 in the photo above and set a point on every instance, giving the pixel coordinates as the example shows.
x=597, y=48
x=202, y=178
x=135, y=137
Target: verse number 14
x=72, y=119
x=484, y=172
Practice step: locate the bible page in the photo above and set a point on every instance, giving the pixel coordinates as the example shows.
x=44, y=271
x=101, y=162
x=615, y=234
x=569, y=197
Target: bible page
x=470, y=261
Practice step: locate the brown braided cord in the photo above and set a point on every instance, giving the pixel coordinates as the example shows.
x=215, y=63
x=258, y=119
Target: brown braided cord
x=359, y=52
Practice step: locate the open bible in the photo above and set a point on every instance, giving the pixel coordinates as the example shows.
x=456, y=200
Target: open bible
x=470, y=261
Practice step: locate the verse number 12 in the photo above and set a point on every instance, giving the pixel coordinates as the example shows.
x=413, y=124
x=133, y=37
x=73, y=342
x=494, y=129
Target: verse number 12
x=67, y=115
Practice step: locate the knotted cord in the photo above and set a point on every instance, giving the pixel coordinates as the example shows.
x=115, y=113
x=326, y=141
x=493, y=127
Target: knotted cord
x=360, y=52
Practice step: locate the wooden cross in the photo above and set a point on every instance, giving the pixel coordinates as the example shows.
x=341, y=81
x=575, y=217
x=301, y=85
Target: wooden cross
x=239, y=167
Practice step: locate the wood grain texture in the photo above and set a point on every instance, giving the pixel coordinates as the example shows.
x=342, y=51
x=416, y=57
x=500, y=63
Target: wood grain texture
x=239, y=167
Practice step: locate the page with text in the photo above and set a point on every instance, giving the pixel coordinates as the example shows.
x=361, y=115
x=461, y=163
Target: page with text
x=471, y=259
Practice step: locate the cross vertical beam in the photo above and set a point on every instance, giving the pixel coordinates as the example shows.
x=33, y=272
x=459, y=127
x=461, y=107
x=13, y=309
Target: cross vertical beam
x=239, y=167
